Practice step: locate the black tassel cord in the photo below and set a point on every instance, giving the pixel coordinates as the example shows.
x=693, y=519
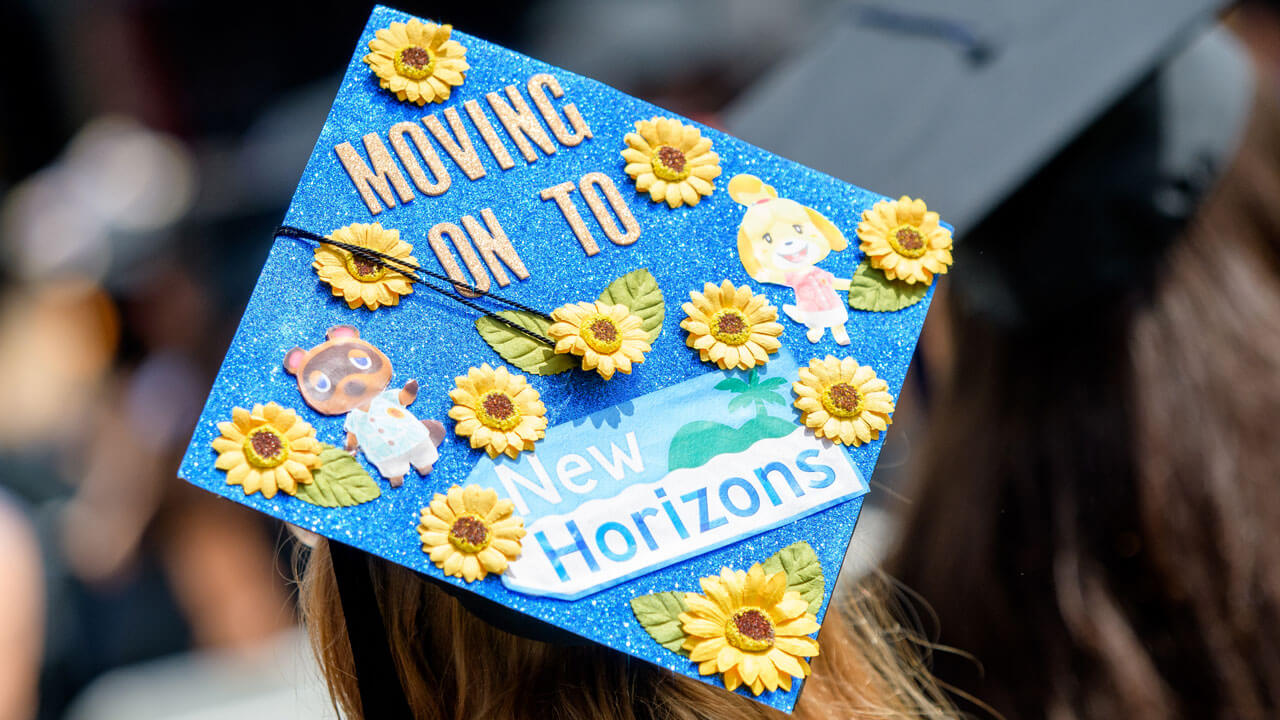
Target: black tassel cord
x=420, y=276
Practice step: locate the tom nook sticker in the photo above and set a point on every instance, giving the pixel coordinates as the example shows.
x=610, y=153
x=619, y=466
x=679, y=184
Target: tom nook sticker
x=673, y=474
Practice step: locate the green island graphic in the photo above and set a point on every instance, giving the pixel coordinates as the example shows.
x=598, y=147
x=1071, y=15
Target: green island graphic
x=698, y=442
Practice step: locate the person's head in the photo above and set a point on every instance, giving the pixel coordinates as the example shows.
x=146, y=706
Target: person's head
x=1097, y=508
x=454, y=665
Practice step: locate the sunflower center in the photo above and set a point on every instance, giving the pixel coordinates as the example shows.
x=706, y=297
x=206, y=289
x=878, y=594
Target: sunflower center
x=749, y=629
x=842, y=400
x=364, y=269
x=906, y=240
x=470, y=533
x=669, y=163
x=415, y=62
x=730, y=326
x=265, y=447
x=602, y=334
x=498, y=411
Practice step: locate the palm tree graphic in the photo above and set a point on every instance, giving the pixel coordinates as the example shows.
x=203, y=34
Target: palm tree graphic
x=754, y=390
x=698, y=442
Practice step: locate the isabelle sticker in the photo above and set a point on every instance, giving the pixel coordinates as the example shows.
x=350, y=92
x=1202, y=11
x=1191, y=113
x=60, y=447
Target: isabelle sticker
x=667, y=476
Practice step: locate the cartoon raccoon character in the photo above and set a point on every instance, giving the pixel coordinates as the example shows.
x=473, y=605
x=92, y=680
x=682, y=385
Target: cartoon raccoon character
x=348, y=375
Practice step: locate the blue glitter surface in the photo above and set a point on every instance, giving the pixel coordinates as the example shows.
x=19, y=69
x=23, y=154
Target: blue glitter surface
x=433, y=339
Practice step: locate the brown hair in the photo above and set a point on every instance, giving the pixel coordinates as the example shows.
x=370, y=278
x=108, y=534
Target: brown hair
x=453, y=665
x=1098, y=511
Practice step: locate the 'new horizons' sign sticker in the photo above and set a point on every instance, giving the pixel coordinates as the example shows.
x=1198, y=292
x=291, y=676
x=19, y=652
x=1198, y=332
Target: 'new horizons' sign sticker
x=650, y=482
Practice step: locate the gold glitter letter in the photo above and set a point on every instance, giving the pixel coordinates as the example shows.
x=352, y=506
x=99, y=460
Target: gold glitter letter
x=367, y=179
x=461, y=150
x=494, y=247
x=490, y=135
x=630, y=230
x=459, y=238
x=410, y=162
x=521, y=124
x=538, y=86
x=560, y=193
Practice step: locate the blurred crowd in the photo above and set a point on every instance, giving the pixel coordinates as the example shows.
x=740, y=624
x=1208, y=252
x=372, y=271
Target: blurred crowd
x=147, y=150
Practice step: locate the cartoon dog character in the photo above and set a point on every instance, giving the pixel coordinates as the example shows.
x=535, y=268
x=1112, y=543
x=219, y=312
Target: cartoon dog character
x=348, y=375
x=781, y=242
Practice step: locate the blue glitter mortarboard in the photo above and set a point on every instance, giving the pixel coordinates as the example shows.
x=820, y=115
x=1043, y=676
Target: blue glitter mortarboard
x=638, y=445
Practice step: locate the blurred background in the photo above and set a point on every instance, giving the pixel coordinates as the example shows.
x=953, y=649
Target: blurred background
x=147, y=150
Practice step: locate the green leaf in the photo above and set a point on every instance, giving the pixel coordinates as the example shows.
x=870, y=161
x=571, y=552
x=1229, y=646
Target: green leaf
x=732, y=384
x=340, y=481
x=804, y=572
x=739, y=401
x=521, y=350
x=871, y=290
x=640, y=292
x=771, y=397
x=659, y=615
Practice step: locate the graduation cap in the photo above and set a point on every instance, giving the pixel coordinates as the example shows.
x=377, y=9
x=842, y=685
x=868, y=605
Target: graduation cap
x=573, y=357
x=1106, y=122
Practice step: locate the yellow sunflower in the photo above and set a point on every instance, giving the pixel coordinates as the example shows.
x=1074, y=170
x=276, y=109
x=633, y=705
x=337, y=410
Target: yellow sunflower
x=417, y=61
x=608, y=337
x=731, y=326
x=749, y=628
x=361, y=281
x=499, y=411
x=471, y=533
x=905, y=239
x=267, y=449
x=671, y=160
x=843, y=401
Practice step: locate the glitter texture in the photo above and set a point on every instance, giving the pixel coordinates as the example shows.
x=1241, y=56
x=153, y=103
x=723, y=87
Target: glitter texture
x=433, y=339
